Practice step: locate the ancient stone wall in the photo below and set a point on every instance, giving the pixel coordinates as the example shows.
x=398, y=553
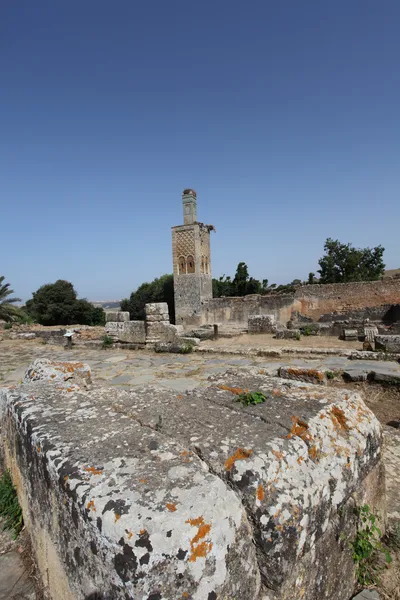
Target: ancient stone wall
x=238, y=310
x=369, y=299
x=317, y=300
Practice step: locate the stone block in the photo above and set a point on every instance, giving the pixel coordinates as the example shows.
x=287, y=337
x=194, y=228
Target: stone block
x=161, y=331
x=177, y=488
x=370, y=333
x=156, y=308
x=116, y=316
x=61, y=373
x=178, y=347
x=287, y=334
x=261, y=323
x=157, y=317
x=388, y=343
x=350, y=335
x=133, y=332
x=300, y=374
x=113, y=329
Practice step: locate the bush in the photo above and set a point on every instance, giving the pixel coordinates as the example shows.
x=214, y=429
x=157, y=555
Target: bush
x=107, y=341
x=160, y=289
x=57, y=304
x=7, y=326
x=10, y=509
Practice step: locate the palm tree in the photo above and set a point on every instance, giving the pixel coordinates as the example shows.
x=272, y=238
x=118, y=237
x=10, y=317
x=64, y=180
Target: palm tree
x=8, y=312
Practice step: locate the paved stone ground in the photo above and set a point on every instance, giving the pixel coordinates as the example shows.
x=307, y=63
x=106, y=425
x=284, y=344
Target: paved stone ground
x=177, y=372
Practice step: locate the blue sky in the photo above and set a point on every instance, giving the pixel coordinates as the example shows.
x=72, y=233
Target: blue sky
x=284, y=116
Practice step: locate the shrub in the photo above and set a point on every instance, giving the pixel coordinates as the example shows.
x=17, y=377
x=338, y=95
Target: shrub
x=367, y=547
x=107, y=341
x=7, y=326
x=57, y=304
x=248, y=398
x=10, y=509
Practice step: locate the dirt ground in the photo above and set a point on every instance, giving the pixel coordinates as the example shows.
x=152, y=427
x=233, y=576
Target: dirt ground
x=267, y=339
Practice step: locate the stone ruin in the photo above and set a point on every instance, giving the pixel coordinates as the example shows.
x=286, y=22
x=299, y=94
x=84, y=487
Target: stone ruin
x=149, y=494
x=155, y=332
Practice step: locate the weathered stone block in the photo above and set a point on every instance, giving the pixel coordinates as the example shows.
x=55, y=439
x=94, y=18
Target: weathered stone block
x=158, y=317
x=115, y=316
x=60, y=373
x=370, y=333
x=388, y=343
x=178, y=347
x=303, y=374
x=133, y=332
x=161, y=331
x=350, y=335
x=113, y=329
x=180, y=491
x=287, y=334
x=261, y=323
x=156, y=308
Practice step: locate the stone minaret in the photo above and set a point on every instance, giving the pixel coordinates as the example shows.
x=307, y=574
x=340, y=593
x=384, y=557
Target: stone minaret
x=192, y=264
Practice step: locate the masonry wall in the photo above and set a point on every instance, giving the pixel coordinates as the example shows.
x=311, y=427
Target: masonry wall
x=317, y=300
x=371, y=299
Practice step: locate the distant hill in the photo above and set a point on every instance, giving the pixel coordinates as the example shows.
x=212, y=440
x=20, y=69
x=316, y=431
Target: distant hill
x=108, y=304
x=392, y=273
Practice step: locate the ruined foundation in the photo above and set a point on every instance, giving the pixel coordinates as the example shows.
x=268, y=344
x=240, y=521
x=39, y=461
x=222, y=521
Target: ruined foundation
x=151, y=495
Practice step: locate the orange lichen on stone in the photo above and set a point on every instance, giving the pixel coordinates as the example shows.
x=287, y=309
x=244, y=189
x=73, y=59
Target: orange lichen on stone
x=313, y=452
x=117, y=517
x=180, y=397
x=70, y=389
x=307, y=373
x=260, y=493
x=185, y=595
x=52, y=376
x=129, y=534
x=171, y=507
x=240, y=454
x=199, y=549
x=276, y=392
x=143, y=531
x=339, y=419
x=142, y=480
x=93, y=470
x=90, y=505
x=299, y=428
x=300, y=459
x=38, y=449
x=277, y=454
x=233, y=390
x=66, y=477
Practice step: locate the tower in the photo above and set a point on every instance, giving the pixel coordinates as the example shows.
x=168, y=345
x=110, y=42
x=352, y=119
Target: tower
x=192, y=264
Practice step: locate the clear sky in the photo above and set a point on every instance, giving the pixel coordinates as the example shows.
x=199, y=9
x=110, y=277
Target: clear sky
x=283, y=116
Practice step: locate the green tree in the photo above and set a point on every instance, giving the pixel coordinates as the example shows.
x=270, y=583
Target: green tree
x=57, y=304
x=241, y=279
x=160, y=289
x=342, y=263
x=8, y=312
x=311, y=278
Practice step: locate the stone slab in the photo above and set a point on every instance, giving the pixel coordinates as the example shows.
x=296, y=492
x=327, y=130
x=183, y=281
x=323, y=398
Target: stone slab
x=155, y=490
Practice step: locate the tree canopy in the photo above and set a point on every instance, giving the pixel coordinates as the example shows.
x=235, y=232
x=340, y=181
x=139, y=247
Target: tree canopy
x=160, y=289
x=342, y=263
x=8, y=312
x=57, y=304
